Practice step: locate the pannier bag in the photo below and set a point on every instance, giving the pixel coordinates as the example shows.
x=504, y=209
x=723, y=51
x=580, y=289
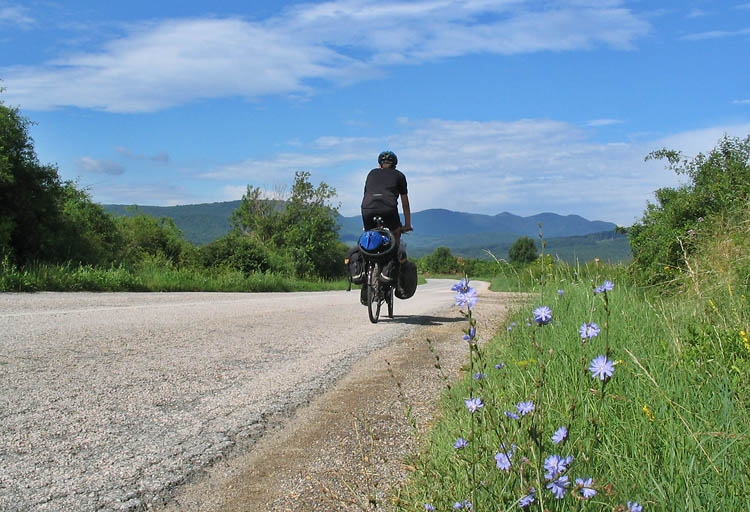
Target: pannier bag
x=407, y=280
x=355, y=265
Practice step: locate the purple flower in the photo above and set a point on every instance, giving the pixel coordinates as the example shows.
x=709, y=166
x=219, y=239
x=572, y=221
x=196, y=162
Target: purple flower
x=502, y=459
x=558, y=486
x=560, y=292
x=471, y=334
x=599, y=289
x=634, y=507
x=528, y=499
x=525, y=408
x=588, y=331
x=479, y=375
x=608, y=285
x=542, y=315
x=500, y=366
x=428, y=507
x=468, y=298
x=462, y=504
x=473, y=404
x=513, y=324
x=555, y=465
x=461, y=287
x=512, y=415
x=586, y=486
x=601, y=367
x=560, y=435
x=460, y=443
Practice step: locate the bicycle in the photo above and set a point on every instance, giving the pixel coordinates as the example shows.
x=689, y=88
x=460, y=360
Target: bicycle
x=379, y=290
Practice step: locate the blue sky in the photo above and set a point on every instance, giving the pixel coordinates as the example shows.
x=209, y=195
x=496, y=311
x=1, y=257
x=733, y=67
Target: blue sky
x=491, y=105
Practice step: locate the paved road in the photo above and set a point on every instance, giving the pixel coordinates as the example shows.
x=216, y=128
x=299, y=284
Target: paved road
x=108, y=400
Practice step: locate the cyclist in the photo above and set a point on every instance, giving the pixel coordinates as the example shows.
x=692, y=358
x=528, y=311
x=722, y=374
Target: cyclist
x=383, y=187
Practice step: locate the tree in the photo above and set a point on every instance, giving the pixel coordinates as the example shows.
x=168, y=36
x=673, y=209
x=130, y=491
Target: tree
x=719, y=183
x=441, y=261
x=523, y=250
x=30, y=193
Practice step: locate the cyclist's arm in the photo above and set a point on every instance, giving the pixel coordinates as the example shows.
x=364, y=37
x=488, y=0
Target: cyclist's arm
x=407, y=212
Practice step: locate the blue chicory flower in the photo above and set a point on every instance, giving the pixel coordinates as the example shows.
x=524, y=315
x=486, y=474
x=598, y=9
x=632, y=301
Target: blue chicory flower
x=473, y=404
x=512, y=415
x=586, y=486
x=471, y=334
x=589, y=330
x=502, y=460
x=560, y=292
x=499, y=366
x=428, y=507
x=560, y=435
x=555, y=465
x=461, y=287
x=480, y=375
x=468, y=298
x=601, y=367
x=634, y=507
x=608, y=285
x=528, y=499
x=542, y=315
x=460, y=443
x=558, y=486
x=525, y=408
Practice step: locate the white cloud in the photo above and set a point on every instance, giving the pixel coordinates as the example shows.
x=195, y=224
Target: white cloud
x=525, y=167
x=161, y=157
x=92, y=165
x=716, y=34
x=15, y=15
x=157, y=65
x=603, y=122
x=741, y=102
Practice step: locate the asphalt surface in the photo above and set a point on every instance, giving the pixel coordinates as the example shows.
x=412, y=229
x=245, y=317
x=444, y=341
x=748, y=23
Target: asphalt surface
x=110, y=401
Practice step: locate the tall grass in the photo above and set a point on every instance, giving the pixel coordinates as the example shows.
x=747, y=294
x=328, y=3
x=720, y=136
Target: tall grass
x=149, y=277
x=669, y=430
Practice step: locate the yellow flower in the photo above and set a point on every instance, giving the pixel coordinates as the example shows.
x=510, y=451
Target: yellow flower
x=712, y=304
x=743, y=334
x=648, y=413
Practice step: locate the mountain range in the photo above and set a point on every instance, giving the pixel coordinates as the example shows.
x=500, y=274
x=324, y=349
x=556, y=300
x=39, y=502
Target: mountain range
x=570, y=237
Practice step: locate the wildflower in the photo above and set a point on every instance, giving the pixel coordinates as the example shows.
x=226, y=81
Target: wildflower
x=524, y=408
x=589, y=330
x=428, y=507
x=558, y=486
x=560, y=293
x=543, y=315
x=471, y=334
x=554, y=464
x=513, y=324
x=648, y=413
x=467, y=298
x=634, y=507
x=560, y=435
x=587, y=491
x=461, y=287
x=608, y=285
x=502, y=461
x=462, y=504
x=460, y=443
x=500, y=366
x=509, y=329
x=473, y=404
x=528, y=499
x=599, y=289
x=479, y=375
x=601, y=367
x=512, y=415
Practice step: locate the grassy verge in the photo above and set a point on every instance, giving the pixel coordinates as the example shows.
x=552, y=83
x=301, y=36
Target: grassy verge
x=669, y=430
x=152, y=278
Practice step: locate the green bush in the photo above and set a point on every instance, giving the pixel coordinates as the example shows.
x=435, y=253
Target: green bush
x=523, y=250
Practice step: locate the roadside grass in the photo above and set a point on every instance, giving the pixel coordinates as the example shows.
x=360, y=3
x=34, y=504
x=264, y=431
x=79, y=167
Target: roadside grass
x=670, y=430
x=150, y=278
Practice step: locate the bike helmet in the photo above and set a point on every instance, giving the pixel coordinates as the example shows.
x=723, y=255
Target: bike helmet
x=389, y=156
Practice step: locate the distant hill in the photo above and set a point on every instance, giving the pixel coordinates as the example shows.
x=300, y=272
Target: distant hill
x=570, y=237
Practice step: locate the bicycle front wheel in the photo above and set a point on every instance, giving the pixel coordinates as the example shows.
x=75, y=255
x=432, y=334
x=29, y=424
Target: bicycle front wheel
x=373, y=294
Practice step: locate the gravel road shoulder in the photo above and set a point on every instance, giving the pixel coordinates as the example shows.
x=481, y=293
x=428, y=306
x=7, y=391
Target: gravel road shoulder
x=348, y=446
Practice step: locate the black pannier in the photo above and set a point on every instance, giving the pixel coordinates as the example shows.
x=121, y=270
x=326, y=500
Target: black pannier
x=407, y=280
x=355, y=265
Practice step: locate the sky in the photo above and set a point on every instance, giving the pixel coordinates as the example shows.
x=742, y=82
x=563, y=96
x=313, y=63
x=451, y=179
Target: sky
x=491, y=105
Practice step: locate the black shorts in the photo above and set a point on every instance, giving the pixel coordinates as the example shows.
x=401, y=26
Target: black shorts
x=391, y=220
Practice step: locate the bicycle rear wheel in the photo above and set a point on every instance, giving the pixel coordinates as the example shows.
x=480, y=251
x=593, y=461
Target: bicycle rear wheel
x=373, y=293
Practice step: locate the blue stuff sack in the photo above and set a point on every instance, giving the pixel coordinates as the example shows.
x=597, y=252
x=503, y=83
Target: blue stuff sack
x=372, y=240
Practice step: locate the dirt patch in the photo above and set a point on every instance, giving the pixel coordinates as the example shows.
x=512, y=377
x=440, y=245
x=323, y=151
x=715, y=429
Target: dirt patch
x=346, y=450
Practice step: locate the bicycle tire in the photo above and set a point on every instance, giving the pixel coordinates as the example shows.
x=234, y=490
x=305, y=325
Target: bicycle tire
x=373, y=293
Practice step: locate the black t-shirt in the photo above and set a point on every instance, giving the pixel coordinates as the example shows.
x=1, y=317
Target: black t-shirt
x=382, y=188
